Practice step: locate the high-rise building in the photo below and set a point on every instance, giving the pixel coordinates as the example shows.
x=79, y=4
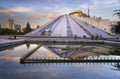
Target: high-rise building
x=9, y=23
x=17, y=27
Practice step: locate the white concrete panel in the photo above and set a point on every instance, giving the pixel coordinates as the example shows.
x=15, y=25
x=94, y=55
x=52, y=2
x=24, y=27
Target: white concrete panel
x=96, y=31
x=61, y=29
x=70, y=26
x=76, y=29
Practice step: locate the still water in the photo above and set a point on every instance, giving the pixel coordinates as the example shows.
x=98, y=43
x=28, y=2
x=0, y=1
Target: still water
x=10, y=68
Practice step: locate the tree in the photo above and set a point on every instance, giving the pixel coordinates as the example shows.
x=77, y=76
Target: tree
x=37, y=27
x=117, y=13
x=0, y=26
x=27, y=29
x=116, y=28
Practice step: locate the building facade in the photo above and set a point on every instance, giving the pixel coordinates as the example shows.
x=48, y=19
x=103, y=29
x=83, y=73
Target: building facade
x=78, y=13
x=17, y=27
x=103, y=24
x=9, y=23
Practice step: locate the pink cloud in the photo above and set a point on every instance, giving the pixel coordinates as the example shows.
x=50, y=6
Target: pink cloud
x=52, y=16
x=21, y=9
x=37, y=15
x=8, y=12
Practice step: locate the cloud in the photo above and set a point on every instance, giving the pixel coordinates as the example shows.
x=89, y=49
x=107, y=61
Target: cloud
x=100, y=4
x=12, y=12
x=21, y=9
x=54, y=0
x=37, y=16
x=58, y=9
x=5, y=11
x=46, y=8
x=10, y=57
x=64, y=10
x=17, y=9
x=84, y=6
x=8, y=12
x=52, y=16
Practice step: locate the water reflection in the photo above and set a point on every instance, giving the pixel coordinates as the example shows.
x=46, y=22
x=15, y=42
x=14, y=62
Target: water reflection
x=117, y=66
x=82, y=51
x=75, y=52
x=9, y=61
x=11, y=48
x=28, y=45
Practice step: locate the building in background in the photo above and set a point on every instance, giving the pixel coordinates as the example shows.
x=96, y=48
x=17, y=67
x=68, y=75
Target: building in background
x=99, y=22
x=103, y=24
x=78, y=13
x=17, y=27
x=9, y=23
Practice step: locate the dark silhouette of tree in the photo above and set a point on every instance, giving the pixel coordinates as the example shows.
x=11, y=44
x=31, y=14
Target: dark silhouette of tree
x=27, y=29
x=6, y=31
x=0, y=26
x=37, y=27
x=116, y=28
x=117, y=13
x=117, y=67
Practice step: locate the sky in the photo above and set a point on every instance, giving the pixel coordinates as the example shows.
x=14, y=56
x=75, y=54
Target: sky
x=39, y=12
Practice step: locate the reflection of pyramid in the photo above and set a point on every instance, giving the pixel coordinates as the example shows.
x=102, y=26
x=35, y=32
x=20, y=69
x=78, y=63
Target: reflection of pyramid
x=69, y=26
x=68, y=52
x=27, y=45
x=79, y=51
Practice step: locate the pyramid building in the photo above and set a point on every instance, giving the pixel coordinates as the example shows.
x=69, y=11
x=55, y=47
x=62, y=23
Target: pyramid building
x=69, y=26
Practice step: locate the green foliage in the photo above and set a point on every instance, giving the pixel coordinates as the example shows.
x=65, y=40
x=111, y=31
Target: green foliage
x=0, y=26
x=27, y=29
x=37, y=27
x=6, y=31
x=116, y=28
x=117, y=13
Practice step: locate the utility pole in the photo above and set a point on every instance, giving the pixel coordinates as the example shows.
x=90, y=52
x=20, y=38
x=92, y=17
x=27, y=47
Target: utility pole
x=88, y=11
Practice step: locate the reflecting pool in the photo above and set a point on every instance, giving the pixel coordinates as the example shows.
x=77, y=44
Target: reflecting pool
x=10, y=67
